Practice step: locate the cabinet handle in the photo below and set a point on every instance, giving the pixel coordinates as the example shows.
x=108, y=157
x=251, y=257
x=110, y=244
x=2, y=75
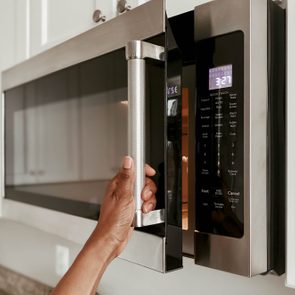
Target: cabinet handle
x=98, y=16
x=123, y=6
x=136, y=52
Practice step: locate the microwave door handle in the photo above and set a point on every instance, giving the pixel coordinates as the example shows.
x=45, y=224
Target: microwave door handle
x=136, y=53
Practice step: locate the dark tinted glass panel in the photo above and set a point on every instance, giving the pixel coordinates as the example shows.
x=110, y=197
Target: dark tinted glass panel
x=220, y=135
x=66, y=134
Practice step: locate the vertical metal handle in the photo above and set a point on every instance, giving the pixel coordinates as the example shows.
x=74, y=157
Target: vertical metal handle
x=136, y=129
x=136, y=52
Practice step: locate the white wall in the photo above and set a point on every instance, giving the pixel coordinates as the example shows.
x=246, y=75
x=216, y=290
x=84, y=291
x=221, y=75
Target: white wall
x=33, y=253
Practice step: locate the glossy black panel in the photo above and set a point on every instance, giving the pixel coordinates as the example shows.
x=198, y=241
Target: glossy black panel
x=220, y=135
x=277, y=137
x=65, y=135
x=173, y=152
x=185, y=41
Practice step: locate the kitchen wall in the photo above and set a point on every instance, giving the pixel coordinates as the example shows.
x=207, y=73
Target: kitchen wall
x=41, y=256
x=44, y=256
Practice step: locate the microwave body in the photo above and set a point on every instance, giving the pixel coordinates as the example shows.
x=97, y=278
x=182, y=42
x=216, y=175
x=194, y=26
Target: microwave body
x=209, y=124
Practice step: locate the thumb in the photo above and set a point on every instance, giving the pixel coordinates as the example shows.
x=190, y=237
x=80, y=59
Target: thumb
x=125, y=177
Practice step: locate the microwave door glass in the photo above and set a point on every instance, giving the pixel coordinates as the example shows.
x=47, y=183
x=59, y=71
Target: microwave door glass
x=66, y=134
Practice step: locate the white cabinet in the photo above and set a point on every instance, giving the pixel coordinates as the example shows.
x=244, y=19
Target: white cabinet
x=20, y=36
x=53, y=21
x=134, y=3
x=62, y=19
x=12, y=33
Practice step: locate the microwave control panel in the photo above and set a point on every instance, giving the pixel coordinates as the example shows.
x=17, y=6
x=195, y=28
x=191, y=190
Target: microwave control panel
x=220, y=135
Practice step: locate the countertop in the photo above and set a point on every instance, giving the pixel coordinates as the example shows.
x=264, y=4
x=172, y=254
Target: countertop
x=12, y=283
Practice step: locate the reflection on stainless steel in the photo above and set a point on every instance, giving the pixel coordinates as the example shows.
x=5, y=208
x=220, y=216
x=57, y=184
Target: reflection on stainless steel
x=146, y=219
x=136, y=52
x=140, y=50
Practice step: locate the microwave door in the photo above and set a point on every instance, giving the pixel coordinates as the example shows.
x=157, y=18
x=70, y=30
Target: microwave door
x=154, y=136
x=136, y=53
x=66, y=131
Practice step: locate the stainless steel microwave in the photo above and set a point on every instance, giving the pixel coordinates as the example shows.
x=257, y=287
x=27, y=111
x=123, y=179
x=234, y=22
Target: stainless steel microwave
x=200, y=96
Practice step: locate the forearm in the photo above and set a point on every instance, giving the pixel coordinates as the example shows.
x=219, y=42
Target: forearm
x=87, y=269
x=111, y=235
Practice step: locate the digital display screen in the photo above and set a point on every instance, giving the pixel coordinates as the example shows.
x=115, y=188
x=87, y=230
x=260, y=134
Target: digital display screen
x=221, y=77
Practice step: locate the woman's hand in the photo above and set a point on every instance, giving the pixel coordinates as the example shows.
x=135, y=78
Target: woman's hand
x=110, y=235
x=118, y=208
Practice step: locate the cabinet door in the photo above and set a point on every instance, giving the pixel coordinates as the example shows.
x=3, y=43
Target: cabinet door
x=108, y=8
x=66, y=18
x=122, y=6
x=57, y=128
x=34, y=27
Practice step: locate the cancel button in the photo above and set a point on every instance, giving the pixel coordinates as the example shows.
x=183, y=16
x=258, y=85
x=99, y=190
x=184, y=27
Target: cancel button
x=233, y=194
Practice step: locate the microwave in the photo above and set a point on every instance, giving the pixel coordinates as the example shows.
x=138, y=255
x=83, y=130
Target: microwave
x=200, y=96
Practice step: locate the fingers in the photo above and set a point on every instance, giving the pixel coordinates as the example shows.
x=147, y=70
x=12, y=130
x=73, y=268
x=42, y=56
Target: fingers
x=149, y=171
x=123, y=185
x=148, y=196
x=125, y=179
x=149, y=205
x=149, y=190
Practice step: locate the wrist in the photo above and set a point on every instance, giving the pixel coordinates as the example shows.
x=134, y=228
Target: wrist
x=104, y=244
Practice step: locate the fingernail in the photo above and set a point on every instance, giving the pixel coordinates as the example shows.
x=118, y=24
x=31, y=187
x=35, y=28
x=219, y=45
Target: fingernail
x=127, y=162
